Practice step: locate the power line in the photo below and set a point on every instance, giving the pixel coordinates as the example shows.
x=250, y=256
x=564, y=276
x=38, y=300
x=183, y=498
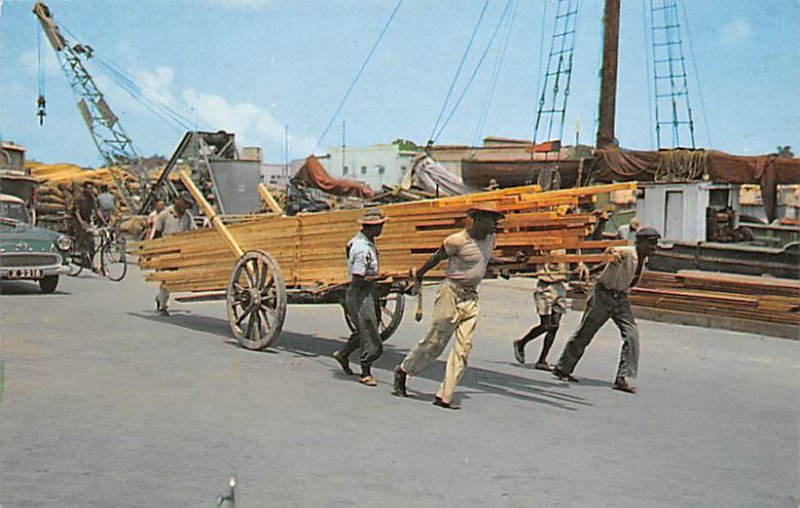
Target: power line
x=458, y=71
x=358, y=74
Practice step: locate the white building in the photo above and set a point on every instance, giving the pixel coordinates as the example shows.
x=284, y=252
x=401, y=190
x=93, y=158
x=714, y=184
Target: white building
x=376, y=164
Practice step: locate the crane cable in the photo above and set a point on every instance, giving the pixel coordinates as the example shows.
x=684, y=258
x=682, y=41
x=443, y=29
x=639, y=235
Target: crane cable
x=495, y=75
x=358, y=74
x=121, y=78
x=40, y=100
x=475, y=71
x=432, y=138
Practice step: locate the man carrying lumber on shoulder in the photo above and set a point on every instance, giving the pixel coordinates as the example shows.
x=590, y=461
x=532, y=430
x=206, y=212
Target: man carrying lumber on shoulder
x=469, y=253
x=173, y=219
x=550, y=299
x=361, y=299
x=609, y=299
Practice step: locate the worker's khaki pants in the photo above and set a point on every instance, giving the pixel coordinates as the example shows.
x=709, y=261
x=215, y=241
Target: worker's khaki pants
x=451, y=313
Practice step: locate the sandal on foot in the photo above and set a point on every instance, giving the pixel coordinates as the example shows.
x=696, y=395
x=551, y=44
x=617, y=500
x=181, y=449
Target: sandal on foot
x=543, y=366
x=446, y=405
x=368, y=380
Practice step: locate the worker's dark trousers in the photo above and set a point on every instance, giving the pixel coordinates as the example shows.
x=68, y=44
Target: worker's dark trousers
x=602, y=305
x=361, y=304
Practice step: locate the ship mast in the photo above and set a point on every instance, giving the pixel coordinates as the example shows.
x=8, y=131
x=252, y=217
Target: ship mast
x=608, y=75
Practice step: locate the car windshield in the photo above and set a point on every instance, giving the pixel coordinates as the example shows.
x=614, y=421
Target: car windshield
x=14, y=211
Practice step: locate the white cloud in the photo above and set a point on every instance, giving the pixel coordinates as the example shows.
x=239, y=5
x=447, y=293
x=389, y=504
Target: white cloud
x=738, y=29
x=30, y=61
x=157, y=83
x=250, y=123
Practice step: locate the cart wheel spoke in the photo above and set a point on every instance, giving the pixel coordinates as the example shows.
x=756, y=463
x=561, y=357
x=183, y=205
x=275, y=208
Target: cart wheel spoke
x=256, y=295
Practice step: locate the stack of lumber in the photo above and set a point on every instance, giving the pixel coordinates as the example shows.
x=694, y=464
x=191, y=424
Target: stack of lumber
x=50, y=199
x=310, y=248
x=724, y=295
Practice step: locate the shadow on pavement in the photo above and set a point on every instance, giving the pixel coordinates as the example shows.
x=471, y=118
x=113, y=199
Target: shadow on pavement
x=25, y=288
x=475, y=380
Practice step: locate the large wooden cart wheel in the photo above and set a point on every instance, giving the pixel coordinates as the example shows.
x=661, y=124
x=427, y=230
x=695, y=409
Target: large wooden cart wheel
x=256, y=300
x=390, y=314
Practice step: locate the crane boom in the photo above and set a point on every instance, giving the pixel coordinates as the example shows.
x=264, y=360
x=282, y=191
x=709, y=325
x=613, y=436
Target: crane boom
x=114, y=145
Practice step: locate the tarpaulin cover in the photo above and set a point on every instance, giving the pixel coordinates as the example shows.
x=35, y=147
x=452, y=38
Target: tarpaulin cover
x=313, y=173
x=617, y=164
x=430, y=176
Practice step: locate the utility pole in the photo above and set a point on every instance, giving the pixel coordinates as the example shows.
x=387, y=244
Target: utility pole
x=344, y=144
x=608, y=75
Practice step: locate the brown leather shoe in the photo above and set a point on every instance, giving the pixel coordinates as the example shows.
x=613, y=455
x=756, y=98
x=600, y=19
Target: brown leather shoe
x=623, y=386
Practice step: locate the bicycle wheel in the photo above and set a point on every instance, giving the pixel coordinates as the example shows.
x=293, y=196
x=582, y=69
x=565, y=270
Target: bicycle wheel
x=113, y=260
x=74, y=265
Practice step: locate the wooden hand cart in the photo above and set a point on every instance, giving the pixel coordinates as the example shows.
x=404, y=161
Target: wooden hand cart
x=304, y=259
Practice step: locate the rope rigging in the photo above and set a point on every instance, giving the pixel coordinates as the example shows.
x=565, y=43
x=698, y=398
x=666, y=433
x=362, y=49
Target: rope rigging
x=495, y=74
x=458, y=72
x=358, y=74
x=475, y=71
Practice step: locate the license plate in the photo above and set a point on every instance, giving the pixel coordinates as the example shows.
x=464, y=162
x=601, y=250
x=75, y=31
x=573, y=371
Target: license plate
x=25, y=274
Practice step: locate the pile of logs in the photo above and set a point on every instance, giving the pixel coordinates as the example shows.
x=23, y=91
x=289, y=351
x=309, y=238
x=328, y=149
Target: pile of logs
x=729, y=296
x=310, y=248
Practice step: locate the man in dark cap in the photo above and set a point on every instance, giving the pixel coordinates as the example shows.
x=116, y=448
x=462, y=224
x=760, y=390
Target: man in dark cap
x=609, y=300
x=361, y=300
x=469, y=253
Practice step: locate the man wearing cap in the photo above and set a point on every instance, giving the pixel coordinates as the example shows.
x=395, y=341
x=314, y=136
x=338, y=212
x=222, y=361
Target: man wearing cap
x=361, y=300
x=609, y=299
x=628, y=231
x=173, y=219
x=469, y=253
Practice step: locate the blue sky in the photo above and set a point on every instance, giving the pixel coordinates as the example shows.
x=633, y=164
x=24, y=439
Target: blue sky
x=252, y=66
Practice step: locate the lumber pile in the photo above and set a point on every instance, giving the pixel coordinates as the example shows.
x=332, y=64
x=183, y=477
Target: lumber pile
x=310, y=247
x=55, y=180
x=746, y=297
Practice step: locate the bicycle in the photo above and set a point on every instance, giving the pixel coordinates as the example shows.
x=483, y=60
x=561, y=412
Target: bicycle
x=109, y=247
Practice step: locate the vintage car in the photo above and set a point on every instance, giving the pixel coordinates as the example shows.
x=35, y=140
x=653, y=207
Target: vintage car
x=28, y=252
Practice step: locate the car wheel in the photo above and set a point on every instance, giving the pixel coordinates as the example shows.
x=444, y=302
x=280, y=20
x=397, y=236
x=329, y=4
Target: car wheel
x=49, y=283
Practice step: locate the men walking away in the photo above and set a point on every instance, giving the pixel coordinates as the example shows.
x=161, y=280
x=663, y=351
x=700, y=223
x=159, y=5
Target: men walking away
x=174, y=219
x=469, y=253
x=361, y=300
x=609, y=299
x=550, y=299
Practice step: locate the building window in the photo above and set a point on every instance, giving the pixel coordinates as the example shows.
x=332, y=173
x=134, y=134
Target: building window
x=345, y=170
x=363, y=170
x=381, y=169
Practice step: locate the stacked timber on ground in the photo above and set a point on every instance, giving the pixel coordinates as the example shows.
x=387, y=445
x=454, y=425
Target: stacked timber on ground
x=50, y=199
x=310, y=248
x=765, y=305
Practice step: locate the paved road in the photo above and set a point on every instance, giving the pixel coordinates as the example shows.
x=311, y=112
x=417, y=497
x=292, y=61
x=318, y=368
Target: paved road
x=106, y=404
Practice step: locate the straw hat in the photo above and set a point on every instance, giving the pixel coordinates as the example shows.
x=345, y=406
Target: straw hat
x=489, y=208
x=372, y=216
